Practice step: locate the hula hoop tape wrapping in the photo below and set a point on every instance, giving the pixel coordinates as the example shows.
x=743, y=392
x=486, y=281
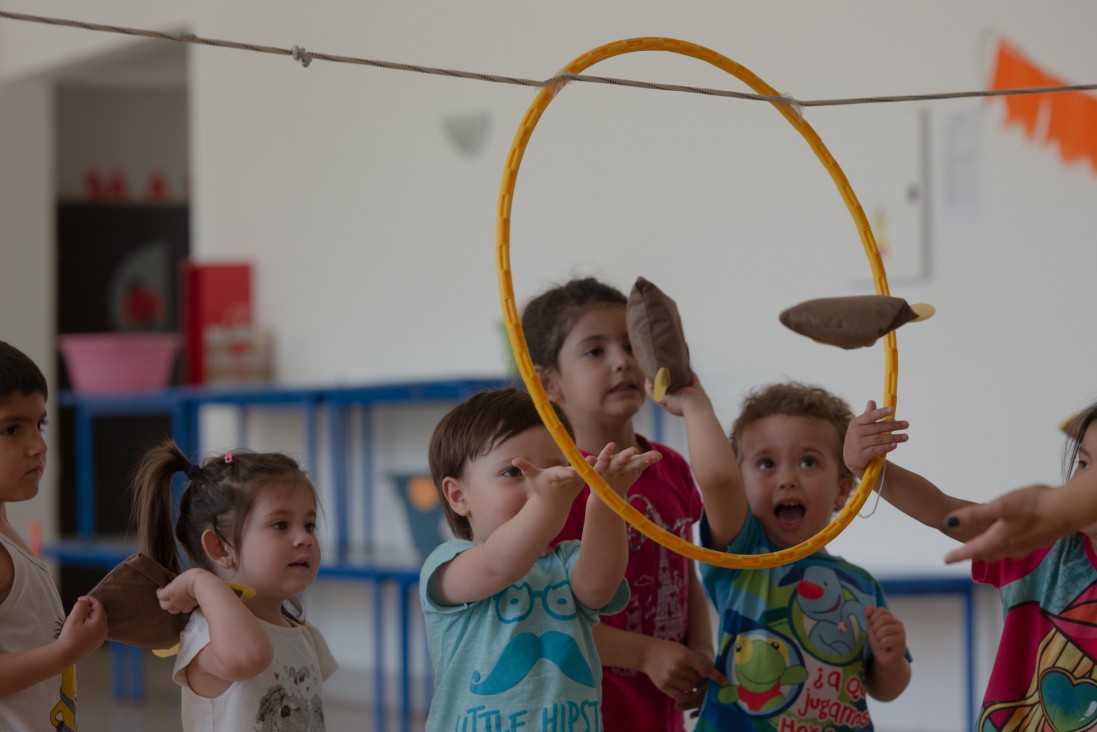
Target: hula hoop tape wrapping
x=521, y=350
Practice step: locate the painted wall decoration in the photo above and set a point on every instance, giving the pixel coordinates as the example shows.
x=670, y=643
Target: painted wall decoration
x=1065, y=119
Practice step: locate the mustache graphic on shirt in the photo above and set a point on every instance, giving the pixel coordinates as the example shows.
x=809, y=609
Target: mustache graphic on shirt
x=523, y=652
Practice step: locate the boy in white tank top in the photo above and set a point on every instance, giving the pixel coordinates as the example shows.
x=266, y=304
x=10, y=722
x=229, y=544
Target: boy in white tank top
x=38, y=645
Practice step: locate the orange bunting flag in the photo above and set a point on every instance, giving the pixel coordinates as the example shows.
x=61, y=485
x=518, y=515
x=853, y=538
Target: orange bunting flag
x=1071, y=117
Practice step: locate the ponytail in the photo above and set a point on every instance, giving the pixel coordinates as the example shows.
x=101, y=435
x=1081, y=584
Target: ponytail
x=153, y=501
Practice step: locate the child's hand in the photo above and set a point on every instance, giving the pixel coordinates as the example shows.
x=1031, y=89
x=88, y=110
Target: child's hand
x=179, y=595
x=621, y=470
x=556, y=483
x=679, y=672
x=870, y=435
x=1023, y=520
x=674, y=401
x=85, y=628
x=886, y=636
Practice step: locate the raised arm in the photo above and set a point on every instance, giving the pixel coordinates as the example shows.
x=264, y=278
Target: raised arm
x=714, y=464
x=511, y=550
x=603, y=552
x=874, y=433
x=238, y=647
x=1025, y=519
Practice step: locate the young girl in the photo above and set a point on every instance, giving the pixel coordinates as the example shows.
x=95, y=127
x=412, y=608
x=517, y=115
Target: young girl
x=250, y=519
x=656, y=652
x=1044, y=674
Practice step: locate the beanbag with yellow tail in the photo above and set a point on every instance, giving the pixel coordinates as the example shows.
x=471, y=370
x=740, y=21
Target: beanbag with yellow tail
x=657, y=338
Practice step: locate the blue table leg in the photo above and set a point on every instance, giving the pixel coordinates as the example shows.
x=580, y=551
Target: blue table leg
x=379, y=657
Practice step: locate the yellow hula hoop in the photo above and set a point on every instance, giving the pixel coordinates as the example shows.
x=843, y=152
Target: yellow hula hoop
x=521, y=350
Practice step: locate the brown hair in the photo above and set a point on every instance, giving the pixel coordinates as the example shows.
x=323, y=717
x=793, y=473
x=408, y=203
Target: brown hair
x=547, y=318
x=1076, y=431
x=217, y=495
x=472, y=429
x=798, y=400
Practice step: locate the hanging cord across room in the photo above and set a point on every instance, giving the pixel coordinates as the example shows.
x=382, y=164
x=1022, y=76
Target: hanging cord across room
x=305, y=57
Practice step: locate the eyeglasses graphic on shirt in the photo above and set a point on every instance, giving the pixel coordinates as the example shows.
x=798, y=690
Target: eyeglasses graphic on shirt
x=516, y=602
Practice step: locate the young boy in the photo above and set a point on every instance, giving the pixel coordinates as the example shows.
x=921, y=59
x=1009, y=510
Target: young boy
x=802, y=644
x=38, y=646
x=509, y=619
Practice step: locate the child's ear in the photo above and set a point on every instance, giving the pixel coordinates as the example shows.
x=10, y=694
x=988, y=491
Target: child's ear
x=218, y=551
x=548, y=379
x=454, y=492
x=845, y=487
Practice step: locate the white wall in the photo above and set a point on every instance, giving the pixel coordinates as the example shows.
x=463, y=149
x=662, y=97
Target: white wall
x=373, y=235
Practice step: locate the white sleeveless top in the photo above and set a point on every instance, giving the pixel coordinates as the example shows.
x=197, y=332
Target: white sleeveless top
x=32, y=616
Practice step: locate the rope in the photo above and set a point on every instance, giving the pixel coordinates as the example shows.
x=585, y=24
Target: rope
x=304, y=57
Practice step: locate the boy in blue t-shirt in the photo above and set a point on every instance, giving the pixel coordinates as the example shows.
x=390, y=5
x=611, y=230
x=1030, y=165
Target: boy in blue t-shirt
x=802, y=645
x=508, y=618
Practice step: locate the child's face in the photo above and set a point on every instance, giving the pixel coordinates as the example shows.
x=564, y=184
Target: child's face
x=1087, y=453
x=792, y=475
x=279, y=553
x=491, y=491
x=596, y=376
x=22, y=447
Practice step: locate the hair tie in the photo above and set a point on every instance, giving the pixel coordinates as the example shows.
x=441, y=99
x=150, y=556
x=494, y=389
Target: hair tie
x=228, y=458
x=192, y=470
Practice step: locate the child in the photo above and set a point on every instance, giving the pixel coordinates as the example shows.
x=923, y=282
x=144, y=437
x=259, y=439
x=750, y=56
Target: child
x=248, y=518
x=1044, y=671
x=657, y=651
x=805, y=643
x=38, y=645
x=508, y=618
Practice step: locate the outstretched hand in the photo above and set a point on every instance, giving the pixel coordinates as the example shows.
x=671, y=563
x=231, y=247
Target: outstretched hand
x=871, y=434
x=1023, y=520
x=621, y=470
x=558, y=482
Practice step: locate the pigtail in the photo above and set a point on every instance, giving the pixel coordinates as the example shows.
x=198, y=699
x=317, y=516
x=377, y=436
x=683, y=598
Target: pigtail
x=152, y=502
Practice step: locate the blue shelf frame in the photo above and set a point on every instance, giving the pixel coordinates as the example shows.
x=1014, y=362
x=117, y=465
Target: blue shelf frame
x=184, y=405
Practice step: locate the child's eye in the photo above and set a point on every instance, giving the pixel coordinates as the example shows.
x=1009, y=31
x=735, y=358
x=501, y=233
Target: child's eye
x=512, y=472
x=310, y=527
x=12, y=431
x=279, y=525
x=42, y=425
x=1082, y=464
x=765, y=464
x=808, y=462
x=594, y=352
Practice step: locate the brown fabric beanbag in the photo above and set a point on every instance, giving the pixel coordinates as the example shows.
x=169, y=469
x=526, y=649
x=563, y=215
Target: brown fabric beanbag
x=134, y=615
x=852, y=322
x=658, y=340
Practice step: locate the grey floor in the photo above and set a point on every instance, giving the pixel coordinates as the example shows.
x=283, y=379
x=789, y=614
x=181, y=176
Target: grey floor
x=99, y=711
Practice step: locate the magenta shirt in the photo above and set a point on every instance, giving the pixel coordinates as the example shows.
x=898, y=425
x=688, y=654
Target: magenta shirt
x=658, y=578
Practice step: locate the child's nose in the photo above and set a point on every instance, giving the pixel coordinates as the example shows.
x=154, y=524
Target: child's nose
x=38, y=444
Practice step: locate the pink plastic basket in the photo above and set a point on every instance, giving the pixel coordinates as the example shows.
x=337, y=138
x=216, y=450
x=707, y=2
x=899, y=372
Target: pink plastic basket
x=104, y=363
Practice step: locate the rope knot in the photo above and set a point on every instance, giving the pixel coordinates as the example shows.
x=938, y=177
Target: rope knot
x=300, y=54
x=794, y=105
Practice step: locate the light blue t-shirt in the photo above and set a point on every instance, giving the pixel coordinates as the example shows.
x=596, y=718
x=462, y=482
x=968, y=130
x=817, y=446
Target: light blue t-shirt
x=523, y=659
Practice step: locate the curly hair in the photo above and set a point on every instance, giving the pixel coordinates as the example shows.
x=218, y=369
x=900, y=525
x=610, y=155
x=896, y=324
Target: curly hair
x=794, y=399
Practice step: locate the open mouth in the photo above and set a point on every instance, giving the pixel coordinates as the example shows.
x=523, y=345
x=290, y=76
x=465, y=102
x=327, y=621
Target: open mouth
x=624, y=387
x=789, y=513
x=300, y=564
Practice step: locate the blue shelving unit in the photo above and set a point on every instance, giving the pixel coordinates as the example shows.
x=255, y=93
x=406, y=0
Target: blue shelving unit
x=339, y=404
